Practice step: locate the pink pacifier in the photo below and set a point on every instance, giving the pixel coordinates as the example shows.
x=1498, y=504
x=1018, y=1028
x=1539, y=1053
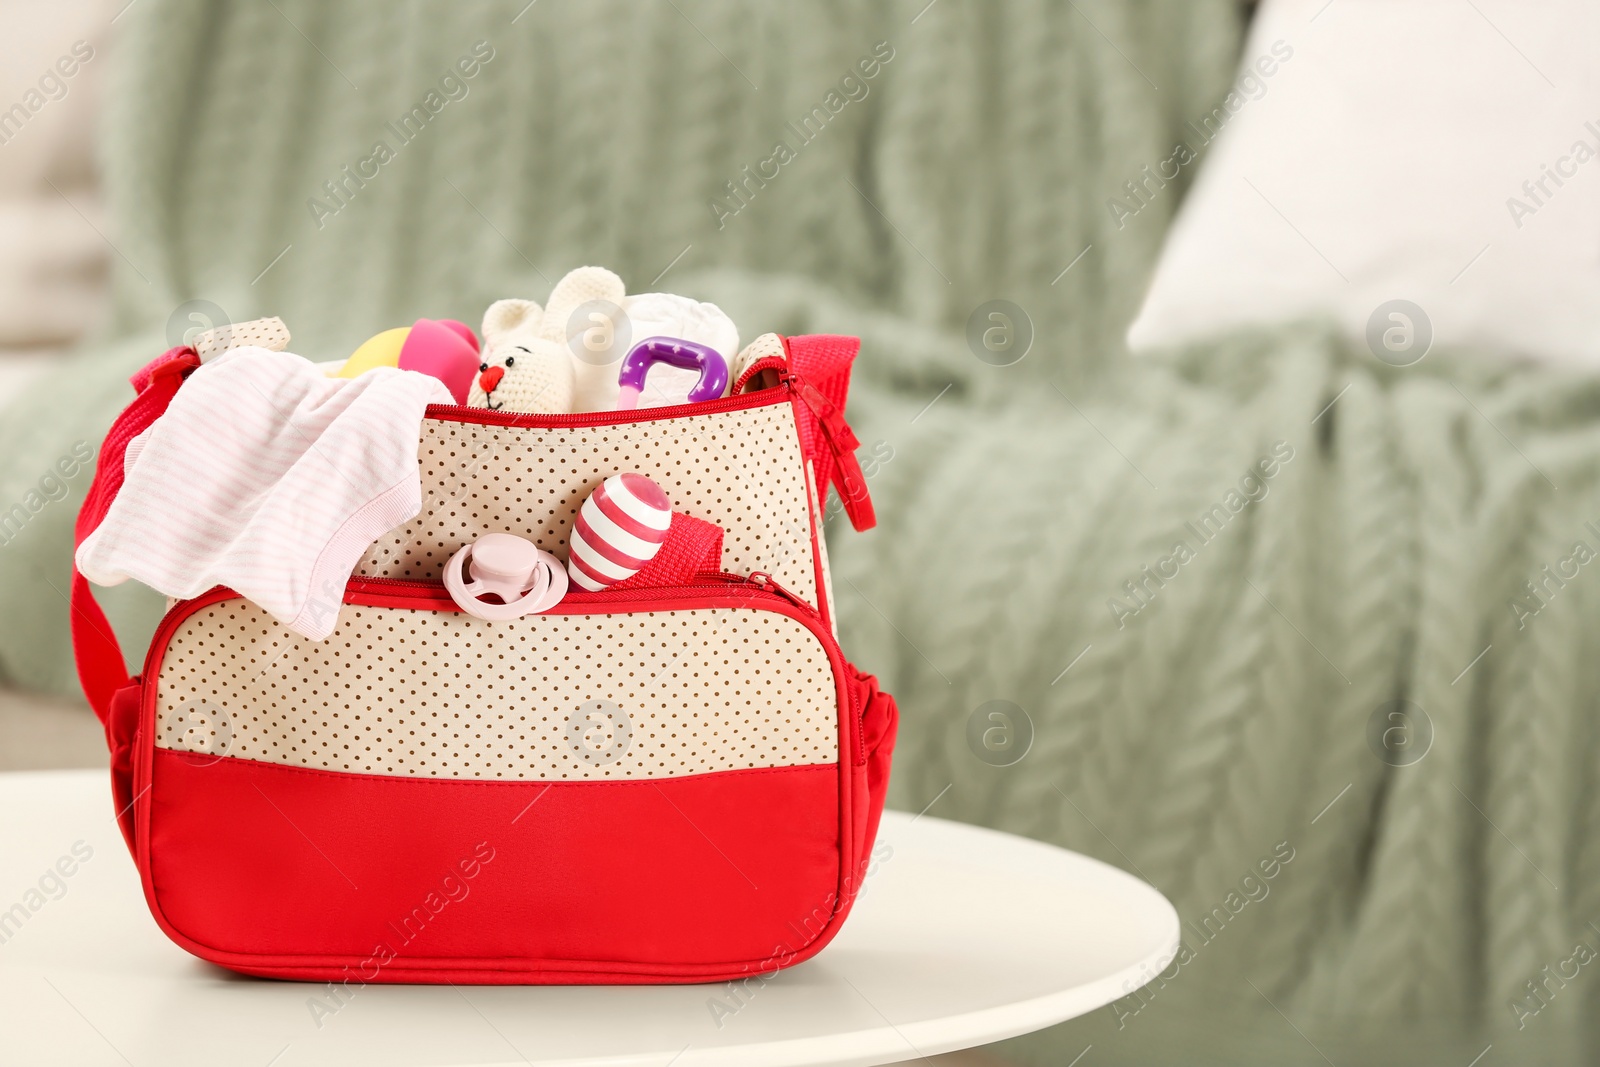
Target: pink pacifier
x=527, y=579
x=675, y=352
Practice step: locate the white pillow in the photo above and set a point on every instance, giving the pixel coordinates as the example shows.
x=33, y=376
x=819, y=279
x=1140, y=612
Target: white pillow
x=1385, y=159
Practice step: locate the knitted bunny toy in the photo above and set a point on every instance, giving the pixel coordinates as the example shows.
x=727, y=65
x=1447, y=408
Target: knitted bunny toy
x=527, y=364
x=565, y=356
x=521, y=371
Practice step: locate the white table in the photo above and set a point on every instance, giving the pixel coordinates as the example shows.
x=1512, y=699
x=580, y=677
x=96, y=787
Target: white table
x=963, y=936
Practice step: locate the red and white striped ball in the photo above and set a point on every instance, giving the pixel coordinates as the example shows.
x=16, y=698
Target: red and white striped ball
x=618, y=530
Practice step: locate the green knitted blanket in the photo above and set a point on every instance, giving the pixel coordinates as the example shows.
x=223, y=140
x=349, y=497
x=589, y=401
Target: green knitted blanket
x=1225, y=600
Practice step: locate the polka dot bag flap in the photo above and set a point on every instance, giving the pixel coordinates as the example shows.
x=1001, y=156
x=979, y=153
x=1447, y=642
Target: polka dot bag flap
x=673, y=775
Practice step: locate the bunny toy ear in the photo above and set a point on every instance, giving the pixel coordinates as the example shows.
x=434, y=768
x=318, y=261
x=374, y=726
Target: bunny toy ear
x=579, y=287
x=507, y=316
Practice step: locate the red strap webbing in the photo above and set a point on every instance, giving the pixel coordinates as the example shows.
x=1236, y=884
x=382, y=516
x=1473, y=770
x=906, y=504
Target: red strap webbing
x=101, y=667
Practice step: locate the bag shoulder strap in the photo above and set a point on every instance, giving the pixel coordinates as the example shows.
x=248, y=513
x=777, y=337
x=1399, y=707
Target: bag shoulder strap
x=102, y=670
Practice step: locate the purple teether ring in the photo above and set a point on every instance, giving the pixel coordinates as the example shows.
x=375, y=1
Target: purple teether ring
x=675, y=352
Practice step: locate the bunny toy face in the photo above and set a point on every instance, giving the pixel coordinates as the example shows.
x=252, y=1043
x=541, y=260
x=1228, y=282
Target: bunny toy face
x=528, y=364
x=521, y=371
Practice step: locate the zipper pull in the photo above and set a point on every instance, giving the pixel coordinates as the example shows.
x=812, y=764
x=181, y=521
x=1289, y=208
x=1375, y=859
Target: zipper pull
x=846, y=475
x=763, y=581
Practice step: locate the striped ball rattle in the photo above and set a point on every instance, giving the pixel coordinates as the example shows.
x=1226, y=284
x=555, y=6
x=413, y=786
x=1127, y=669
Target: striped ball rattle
x=618, y=530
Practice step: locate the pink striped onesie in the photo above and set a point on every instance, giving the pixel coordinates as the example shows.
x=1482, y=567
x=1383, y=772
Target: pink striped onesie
x=270, y=478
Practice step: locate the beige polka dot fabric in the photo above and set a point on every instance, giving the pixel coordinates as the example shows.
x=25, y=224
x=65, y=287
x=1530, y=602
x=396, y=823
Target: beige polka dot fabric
x=422, y=693
x=269, y=333
x=739, y=469
x=767, y=346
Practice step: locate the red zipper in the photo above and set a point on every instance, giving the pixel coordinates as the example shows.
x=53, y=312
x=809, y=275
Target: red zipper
x=487, y=417
x=360, y=587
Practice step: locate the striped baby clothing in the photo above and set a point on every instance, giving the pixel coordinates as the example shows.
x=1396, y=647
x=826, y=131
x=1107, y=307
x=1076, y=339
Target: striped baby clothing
x=270, y=478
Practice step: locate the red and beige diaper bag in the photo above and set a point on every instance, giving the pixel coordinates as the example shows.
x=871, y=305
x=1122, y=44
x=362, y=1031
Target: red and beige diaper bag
x=677, y=779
